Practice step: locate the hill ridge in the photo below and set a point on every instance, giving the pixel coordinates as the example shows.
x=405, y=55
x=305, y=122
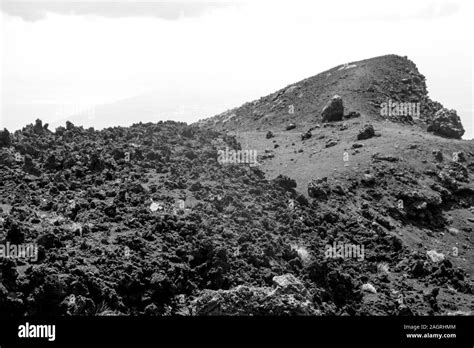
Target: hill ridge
x=363, y=85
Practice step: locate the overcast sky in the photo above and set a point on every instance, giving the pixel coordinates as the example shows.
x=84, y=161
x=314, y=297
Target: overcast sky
x=222, y=54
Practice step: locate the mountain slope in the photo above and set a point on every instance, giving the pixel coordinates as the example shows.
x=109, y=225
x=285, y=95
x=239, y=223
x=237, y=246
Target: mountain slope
x=114, y=238
x=166, y=218
x=339, y=170
x=363, y=86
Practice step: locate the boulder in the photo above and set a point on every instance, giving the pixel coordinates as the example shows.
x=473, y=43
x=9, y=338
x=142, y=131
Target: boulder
x=331, y=142
x=420, y=199
x=438, y=155
x=352, y=114
x=38, y=127
x=366, y=133
x=367, y=287
x=49, y=241
x=384, y=157
x=435, y=256
x=288, y=283
x=15, y=232
x=5, y=140
x=306, y=135
x=333, y=110
x=285, y=182
x=318, y=188
x=60, y=130
x=368, y=180
x=446, y=123
x=69, y=125
x=288, y=297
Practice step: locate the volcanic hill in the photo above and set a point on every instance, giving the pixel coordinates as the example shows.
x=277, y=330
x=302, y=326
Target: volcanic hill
x=146, y=220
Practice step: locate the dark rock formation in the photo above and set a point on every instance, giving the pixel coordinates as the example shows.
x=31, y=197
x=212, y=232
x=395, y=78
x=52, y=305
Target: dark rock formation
x=333, y=110
x=446, y=123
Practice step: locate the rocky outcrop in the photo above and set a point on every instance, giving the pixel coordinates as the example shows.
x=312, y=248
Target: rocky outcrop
x=319, y=188
x=5, y=140
x=446, y=123
x=366, y=133
x=285, y=182
x=287, y=297
x=333, y=110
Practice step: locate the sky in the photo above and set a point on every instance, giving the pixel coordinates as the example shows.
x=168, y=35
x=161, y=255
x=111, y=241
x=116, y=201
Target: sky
x=199, y=58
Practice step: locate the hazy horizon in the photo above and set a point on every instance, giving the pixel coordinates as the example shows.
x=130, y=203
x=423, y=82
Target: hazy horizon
x=154, y=60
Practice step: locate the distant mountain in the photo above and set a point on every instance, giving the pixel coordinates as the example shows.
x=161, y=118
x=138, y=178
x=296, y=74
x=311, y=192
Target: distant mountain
x=144, y=108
